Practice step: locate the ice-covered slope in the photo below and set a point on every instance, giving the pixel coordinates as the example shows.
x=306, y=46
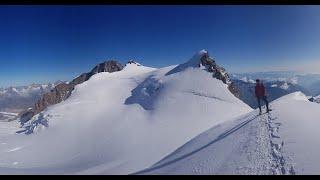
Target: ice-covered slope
x=283, y=142
x=121, y=122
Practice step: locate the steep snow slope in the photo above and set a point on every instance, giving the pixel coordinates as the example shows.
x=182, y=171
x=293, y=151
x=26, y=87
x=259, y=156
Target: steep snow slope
x=121, y=122
x=283, y=142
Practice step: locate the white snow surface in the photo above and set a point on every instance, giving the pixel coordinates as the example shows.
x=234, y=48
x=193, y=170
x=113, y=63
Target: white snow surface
x=143, y=121
x=284, y=86
x=192, y=63
x=9, y=113
x=121, y=122
x=299, y=123
x=282, y=142
x=6, y=116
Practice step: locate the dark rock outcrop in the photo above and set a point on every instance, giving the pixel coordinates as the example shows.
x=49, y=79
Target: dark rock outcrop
x=211, y=66
x=315, y=99
x=218, y=72
x=109, y=66
x=133, y=62
x=63, y=90
x=59, y=93
x=311, y=99
x=25, y=116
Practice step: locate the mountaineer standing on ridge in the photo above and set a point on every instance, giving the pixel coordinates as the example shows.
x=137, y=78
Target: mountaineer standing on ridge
x=260, y=92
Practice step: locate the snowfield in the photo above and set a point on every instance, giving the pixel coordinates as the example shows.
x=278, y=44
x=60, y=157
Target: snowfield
x=172, y=120
x=121, y=122
x=298, y=126
x=282, y=142
x=6, y=116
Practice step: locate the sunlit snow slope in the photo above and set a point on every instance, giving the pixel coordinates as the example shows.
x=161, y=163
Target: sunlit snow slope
x=282, y=142
x=121, y=122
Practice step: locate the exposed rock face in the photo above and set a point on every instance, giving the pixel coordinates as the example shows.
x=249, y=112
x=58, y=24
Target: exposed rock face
x=218, y=72
x=133, y=62
x=63, y=90
x=315, y=99
x=25, y=116
x=59, y=93
x=109, y=66
x=211, y=66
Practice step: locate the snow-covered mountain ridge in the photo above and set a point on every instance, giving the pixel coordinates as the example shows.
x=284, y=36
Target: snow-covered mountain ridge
x=181, y=119
x=122, y=122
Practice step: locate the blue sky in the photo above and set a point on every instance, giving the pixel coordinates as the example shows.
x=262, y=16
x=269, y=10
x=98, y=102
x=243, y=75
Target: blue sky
x=47, y=43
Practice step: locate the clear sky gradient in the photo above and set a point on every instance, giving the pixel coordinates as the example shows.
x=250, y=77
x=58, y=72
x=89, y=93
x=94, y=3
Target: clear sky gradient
x=48, y=43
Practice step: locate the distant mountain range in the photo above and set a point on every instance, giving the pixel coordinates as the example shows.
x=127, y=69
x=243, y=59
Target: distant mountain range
x=274, y=90
x=309, y=82
x=17, y=99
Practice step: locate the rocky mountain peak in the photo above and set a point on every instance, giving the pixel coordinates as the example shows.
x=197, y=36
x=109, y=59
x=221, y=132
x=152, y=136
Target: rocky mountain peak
x=133, y=62
x=63, y=90
x=218, y=72
x=212, y=67
x=107, y=66
x=203, y=60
